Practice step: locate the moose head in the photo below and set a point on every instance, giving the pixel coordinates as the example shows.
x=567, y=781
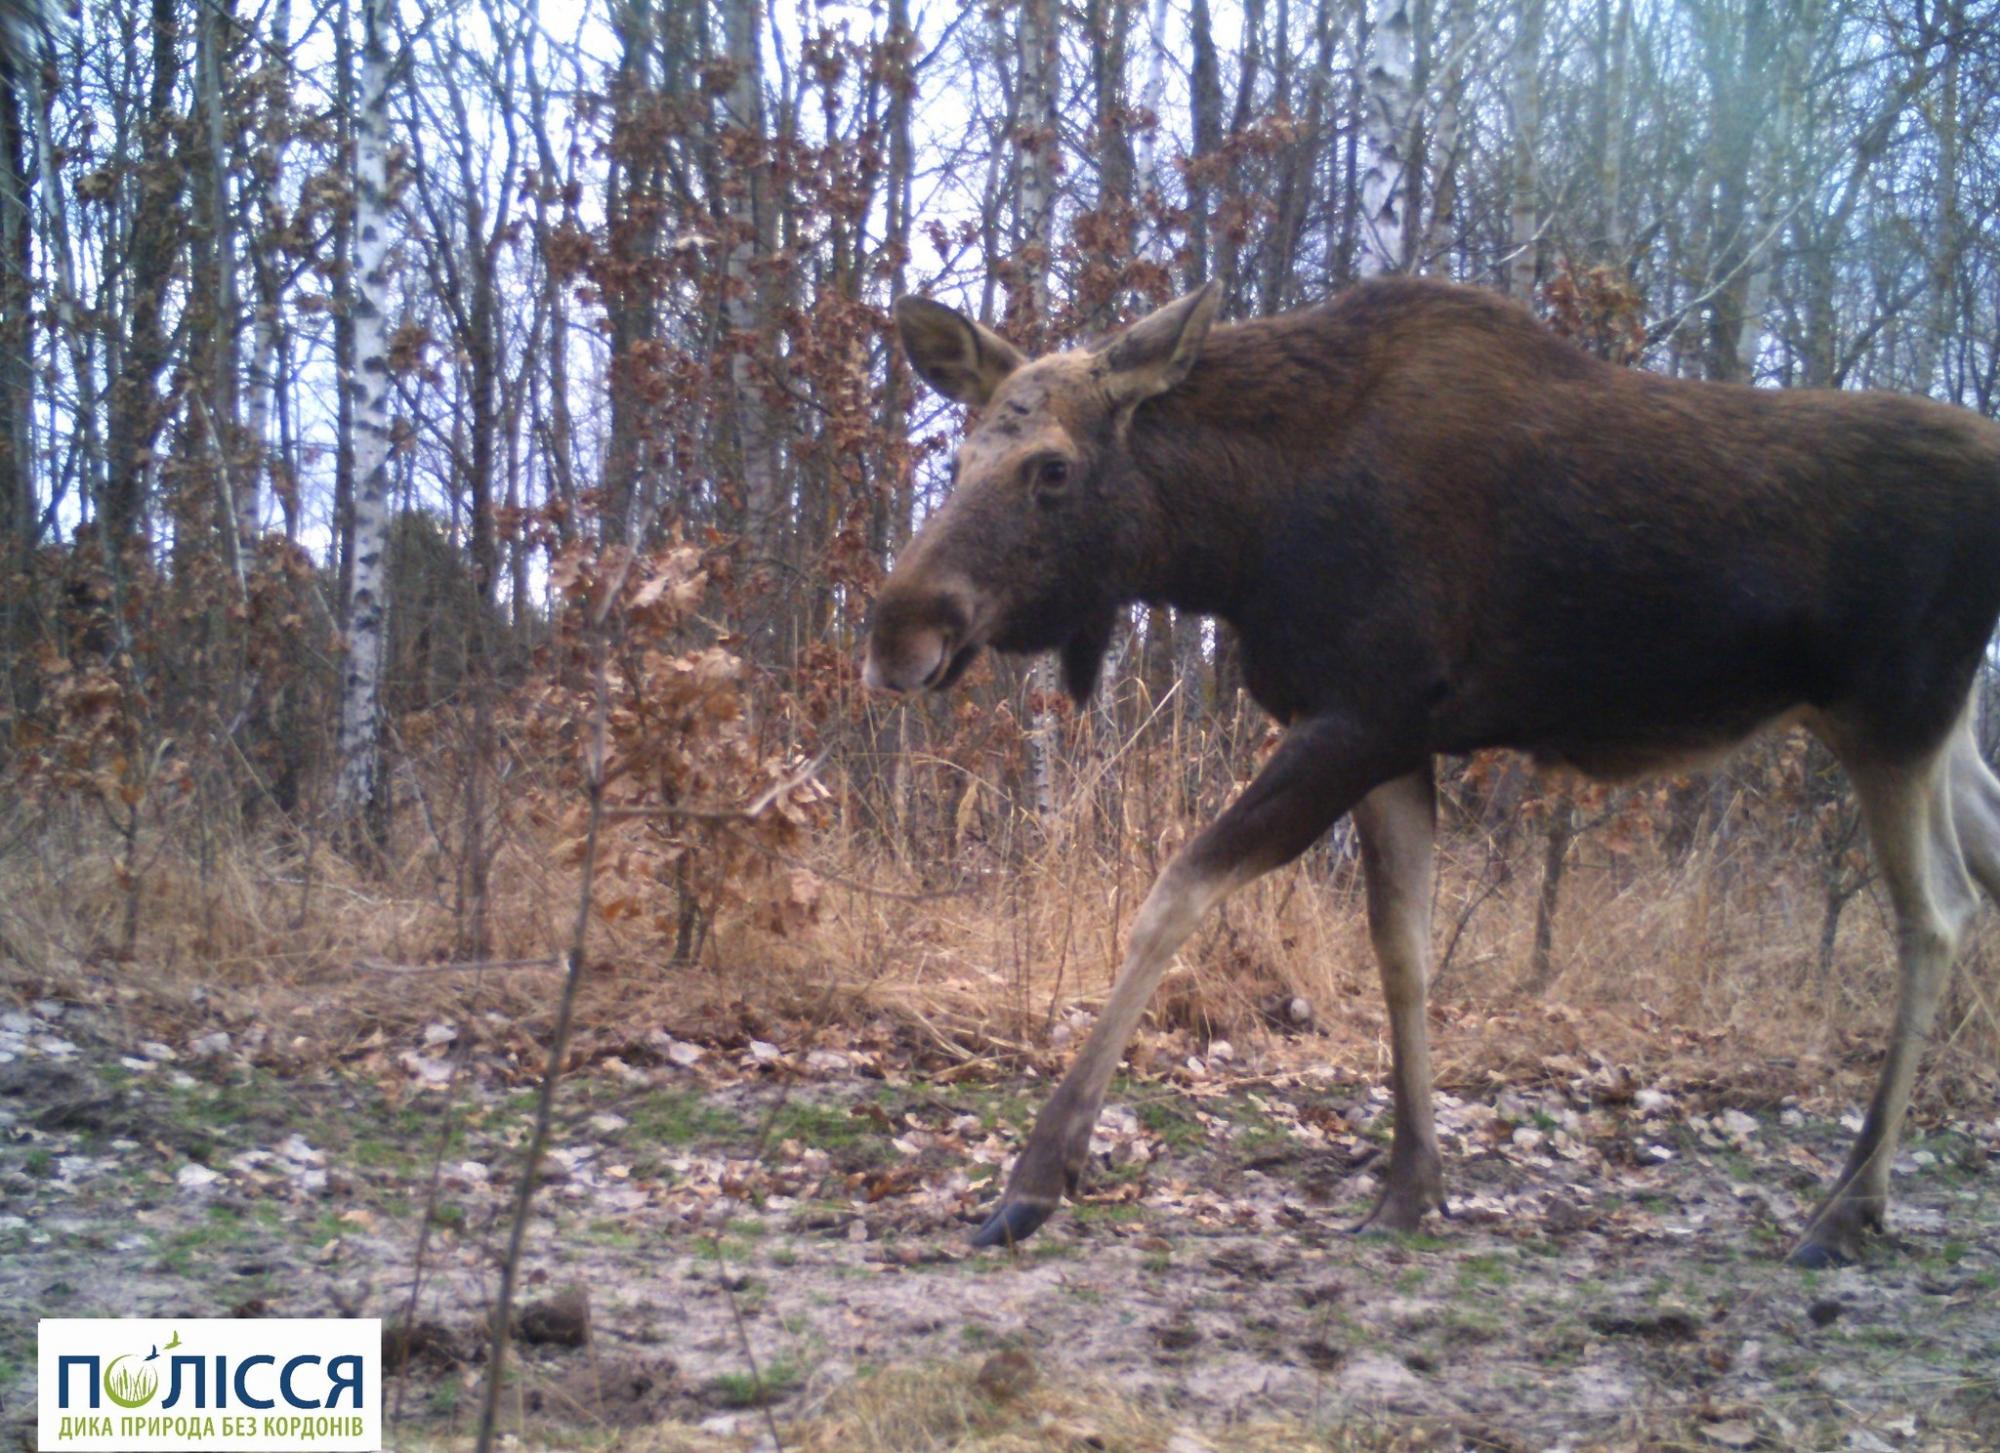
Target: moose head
x=1049, y=526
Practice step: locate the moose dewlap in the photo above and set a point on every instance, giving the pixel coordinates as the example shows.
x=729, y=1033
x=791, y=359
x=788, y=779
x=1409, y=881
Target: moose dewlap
x=1435, y=527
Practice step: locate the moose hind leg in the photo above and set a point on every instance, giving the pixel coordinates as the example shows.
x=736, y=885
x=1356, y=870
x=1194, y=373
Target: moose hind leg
x=1397, y=823
x=1975, y=809
x=1909, y=810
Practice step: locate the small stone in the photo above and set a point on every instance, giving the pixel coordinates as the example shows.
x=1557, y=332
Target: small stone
x=1736, y=1125
x=1731, y=1433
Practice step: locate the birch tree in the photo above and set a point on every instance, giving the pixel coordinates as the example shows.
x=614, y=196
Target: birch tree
x=360, y=790
x=1036, y=214
x=1385, y=183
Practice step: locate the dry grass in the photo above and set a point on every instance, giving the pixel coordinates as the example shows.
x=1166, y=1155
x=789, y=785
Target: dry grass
x=1707, y=967
x=957, y=1408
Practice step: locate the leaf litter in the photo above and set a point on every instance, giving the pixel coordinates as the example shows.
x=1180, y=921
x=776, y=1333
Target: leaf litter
x=1610, y=1272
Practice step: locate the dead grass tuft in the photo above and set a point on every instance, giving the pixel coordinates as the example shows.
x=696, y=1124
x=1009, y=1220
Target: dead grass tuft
x=1706, y=968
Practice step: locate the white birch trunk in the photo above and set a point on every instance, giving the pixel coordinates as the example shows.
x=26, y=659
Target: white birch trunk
x=1386, y=124
x=359, y=787
x=1037, y=93
x=1038, y=119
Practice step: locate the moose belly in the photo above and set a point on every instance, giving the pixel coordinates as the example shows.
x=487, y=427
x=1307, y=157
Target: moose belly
x=1621, y=760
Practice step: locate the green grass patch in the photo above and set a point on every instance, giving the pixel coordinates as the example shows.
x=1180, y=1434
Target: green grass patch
x=1486, y=1269
x=748, y=1390
x=1172, y=1122
x=682, y=1117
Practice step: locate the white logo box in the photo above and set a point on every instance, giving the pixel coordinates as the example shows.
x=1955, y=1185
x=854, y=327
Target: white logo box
x=192, y=1383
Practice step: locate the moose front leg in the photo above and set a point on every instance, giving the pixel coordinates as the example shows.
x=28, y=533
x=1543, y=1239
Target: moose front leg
x=1397, y=823
x=1318, y=771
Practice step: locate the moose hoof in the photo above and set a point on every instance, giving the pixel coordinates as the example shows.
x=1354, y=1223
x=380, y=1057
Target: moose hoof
x=1816, y=1256
x=1401, y=1208
x=1013, y=1221
x=1835, y=1236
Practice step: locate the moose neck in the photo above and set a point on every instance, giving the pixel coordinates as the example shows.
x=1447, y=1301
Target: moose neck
x=1223, y=450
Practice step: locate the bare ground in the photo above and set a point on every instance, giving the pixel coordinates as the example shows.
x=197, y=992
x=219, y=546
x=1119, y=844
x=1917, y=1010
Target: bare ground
x=756, y=1237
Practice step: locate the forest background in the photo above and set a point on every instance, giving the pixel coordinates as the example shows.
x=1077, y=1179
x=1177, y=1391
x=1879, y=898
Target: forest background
x=447, y=452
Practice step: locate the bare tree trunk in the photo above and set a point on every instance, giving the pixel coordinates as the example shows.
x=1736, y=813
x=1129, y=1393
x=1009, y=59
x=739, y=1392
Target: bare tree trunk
x=1298, y=183
x=150, y=262
x=1205, y=98
x=1385, y=180
x=1736, y=106
x=1555, y=854
x=1037, y=85
x=360, y=792
x=1153, y=100
x=1614, y=34
x=1440, y=227
x=214, y=291
x=558, y=442
x=343, y=323
x=19, y=526
x=263, y=380
x=632, y=225
x=1793, y=59
x=1947, y=243
x=755, y=349
x=1523, y=268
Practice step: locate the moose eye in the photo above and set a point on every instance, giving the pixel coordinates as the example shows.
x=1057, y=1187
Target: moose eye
x=1051, y=476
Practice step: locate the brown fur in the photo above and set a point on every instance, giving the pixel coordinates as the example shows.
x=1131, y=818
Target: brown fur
x=1435, y=527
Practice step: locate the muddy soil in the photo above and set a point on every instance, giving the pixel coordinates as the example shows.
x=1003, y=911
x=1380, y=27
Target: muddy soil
x=718, y=1233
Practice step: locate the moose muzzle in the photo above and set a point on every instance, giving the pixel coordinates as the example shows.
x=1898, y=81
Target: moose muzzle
x=919, y=640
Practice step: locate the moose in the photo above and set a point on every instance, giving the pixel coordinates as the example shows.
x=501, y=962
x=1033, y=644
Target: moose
x=1436, y=527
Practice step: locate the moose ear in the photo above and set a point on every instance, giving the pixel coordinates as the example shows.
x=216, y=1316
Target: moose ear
x=1083, y=655
x=1156, y=352
x=961, y=359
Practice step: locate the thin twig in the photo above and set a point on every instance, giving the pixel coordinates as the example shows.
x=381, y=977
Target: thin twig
x=489, y=1411
x=448, y=1125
